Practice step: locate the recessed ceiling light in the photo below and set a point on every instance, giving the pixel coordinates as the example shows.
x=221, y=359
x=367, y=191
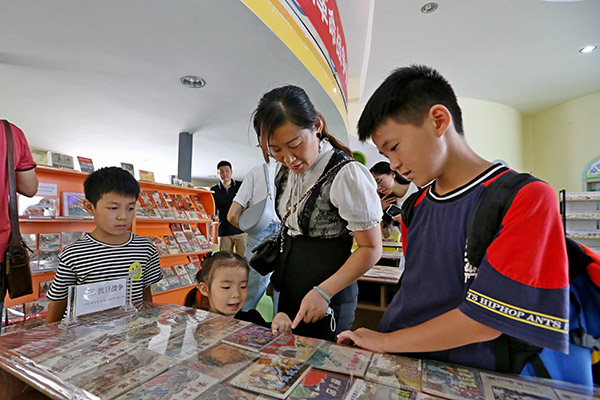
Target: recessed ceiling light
x=588, y=49
x=192, y=81
x=429, y=8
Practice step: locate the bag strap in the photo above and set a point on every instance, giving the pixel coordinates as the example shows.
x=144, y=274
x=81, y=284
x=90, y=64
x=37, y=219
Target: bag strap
x=15, y=235
x=266, y=169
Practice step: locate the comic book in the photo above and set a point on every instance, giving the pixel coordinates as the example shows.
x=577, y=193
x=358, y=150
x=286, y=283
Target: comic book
x=199, y=207
x=128, y=167
x=38, y=207
x=186, y=280
x=191, y=268
x=299, y=348
x=397, y=371
x=189, y=207
x=318, y=385
x=30, y=239
x=72, y=205
x=180, y=269
x=174, y=282
x=271, y=375
x=504, y=387
x=49, y=241
x=223, y=360
x=253, y=337
x=224, y=392
x=426, y=396
x=179, y=207
x=162, y=207
x=122, y=373
x=344, y=359
x=213, y=330
x=172, y=245
x=160, y=245
x=180, y=382
x=451, y=381
x=150, y=209
x=168, y=272
x=140, y=212
x=68, y=237
x=162, y=285
x=85, y=164
x=146, y=175
x=564, y=394
x=365, y=390
x=48, y=259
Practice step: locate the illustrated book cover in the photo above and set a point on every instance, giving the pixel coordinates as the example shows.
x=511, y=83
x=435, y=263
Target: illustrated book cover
x=319, y=385
x=40, y=157
x=85, y=164
x=168, y=272
x=253, y=337
x=146, y=175
x=181, y=382
x=38, y=207
x=68, y=237
x=364, y=390
x=72, y=205
x=271, y=375
x=160, y=244
x=213, y=330
x=344, y=359
x=128, y=167
x=199, y=207
x=49, y=241
x=504, y=387
x=172, y=245
x=394, y=370
x=30, y=239
x=223, y=360
x=60, y=160
x=451, y=381
x=299, y=348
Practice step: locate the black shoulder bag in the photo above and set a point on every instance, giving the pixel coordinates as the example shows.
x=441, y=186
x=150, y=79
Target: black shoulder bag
x=16, y=255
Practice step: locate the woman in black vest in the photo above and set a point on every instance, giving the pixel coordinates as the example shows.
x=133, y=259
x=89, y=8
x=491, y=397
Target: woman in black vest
x=325, y=200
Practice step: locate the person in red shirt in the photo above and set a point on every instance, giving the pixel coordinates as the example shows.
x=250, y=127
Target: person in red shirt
x=27, y=184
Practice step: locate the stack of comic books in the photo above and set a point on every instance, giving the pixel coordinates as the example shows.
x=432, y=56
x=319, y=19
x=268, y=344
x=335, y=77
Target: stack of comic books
x=199, y=207
x=396, y=371
x=172, y=245
x=191, y=238
x=181, y=239
x=252, y=337
x=451, y=381
x=163, y=208
x=343, y=359
x=148, y=205
x=160, y=244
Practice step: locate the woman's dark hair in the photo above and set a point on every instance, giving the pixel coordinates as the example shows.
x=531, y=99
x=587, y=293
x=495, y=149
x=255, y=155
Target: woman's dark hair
x=288, y=104
x=383, y=168
x=210, y=264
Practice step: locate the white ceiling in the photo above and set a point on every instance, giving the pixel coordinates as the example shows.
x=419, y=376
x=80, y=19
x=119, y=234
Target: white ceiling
x=101, y=79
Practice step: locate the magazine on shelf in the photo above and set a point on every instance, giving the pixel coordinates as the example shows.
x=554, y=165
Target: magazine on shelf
x=299, y=348
x=162, y=285
x=186, y=280
x=179, y=208
x=168, y=272
x=172, y=244
x=199, y=207
x=145, y=199
x=174, y=282
x=223, y=360
x=30, y=239
x=140, y=211
x=344, y=359
x=38, y=307
x=106, y=381
x=146, y=175
x=364, y=390
x=44, y=287
x=394, y=370
x=252, y=337
x=271, y=375
x=451, y=381
x=319, y=385
x=180, y=269
x=128, y=167
x=504, y=387
x=34, y=260
x=48, y=259
x=49, y=241
x=180, y=382
x=60, y=160
x=160, y=244
x=163, y=207
x=85, y=164
x=40, y=157
x=68, y=237
x=189, y=207
x=190, y=268
x=72, y=205
x=38, y=207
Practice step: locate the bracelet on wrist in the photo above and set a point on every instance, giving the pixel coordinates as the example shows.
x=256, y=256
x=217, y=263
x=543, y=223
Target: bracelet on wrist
x=322, y=292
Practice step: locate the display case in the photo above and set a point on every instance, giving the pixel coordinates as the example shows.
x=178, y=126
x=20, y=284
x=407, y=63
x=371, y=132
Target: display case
x=55, y=213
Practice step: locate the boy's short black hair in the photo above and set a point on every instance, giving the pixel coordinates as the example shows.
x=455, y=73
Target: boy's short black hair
x=110, y=180
x=224, y=163
x=406, y=96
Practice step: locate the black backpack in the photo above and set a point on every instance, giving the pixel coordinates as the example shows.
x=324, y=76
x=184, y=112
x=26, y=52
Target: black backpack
x=513, y=356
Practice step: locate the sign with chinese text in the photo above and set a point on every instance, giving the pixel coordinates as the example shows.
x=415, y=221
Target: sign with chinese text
x=325, y=19
x=93, y=297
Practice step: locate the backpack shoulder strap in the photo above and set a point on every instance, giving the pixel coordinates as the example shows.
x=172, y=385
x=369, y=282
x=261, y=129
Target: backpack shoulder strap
x=490, y=210
x=408, y=207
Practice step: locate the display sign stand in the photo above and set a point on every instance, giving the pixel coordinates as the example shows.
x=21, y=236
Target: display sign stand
x=128, y=306
x=70, y=319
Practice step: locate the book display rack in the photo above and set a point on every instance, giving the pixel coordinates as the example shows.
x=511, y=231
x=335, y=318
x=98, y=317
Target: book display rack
x=118, y=355
x=48, y=224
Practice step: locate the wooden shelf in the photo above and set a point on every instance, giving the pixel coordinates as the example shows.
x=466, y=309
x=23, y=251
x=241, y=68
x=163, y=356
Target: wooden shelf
x=145, y=220
x=56, y=220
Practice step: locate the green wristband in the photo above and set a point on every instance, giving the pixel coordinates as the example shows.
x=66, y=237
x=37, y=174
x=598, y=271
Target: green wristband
x=318, y=289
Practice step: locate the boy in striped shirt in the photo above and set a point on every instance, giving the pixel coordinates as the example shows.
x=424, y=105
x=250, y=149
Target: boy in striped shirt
x=110, y=251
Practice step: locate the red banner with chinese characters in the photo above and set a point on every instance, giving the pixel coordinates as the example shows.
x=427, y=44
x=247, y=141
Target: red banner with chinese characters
x=325, y=18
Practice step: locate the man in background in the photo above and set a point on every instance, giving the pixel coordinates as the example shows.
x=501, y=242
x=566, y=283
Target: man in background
x=230, y=237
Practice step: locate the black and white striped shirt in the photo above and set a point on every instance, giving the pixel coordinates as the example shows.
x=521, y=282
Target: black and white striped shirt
x=88, y=261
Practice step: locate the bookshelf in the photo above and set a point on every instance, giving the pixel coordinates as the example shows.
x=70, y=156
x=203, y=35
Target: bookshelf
x=72, y=181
